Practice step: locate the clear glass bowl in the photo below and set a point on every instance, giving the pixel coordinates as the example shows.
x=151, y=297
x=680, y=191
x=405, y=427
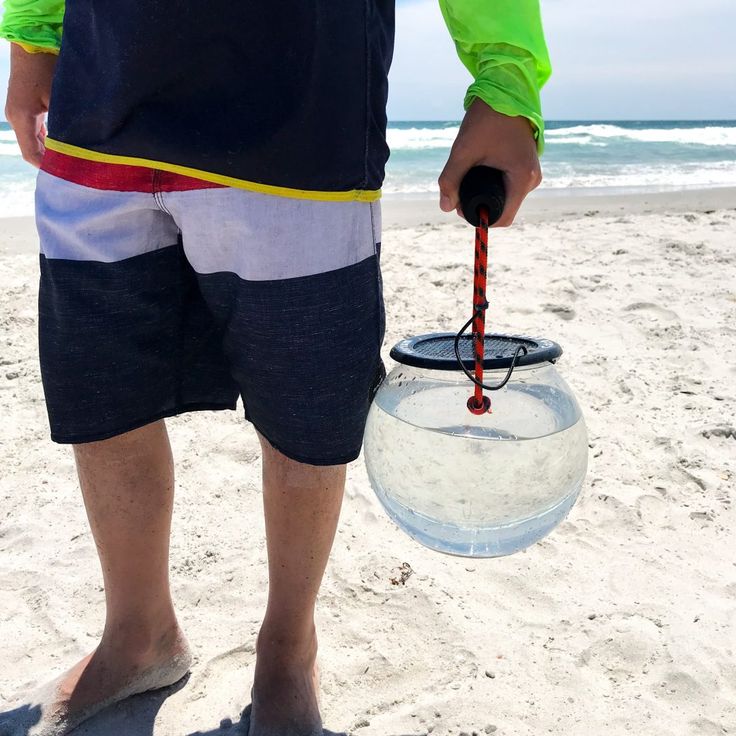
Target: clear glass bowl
x=476, y=486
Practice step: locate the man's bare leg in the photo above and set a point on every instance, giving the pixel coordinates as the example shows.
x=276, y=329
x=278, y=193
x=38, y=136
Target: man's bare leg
x=128, y=488
x=302, y=507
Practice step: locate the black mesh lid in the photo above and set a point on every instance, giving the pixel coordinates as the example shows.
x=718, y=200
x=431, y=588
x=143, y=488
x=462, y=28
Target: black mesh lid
x=437, y=351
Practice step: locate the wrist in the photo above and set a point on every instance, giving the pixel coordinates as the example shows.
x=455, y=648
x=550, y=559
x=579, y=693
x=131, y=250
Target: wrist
x=22, y=54
x=501, y=102
x=481, y=113
x=30, y=70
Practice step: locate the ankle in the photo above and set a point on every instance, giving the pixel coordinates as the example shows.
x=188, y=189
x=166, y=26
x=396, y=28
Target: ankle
x=288, y=645
x=141, y=639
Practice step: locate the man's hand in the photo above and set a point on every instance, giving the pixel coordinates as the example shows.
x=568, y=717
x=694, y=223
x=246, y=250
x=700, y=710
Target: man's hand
x=489, y=138
x=29, y=90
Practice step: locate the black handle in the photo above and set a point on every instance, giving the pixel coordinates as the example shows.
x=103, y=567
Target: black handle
x=482, y=186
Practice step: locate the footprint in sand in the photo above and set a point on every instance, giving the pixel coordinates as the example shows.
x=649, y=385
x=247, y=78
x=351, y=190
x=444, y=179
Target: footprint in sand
x=560, y=310
x=621, y=644
x=724, y=431
x=653, y=311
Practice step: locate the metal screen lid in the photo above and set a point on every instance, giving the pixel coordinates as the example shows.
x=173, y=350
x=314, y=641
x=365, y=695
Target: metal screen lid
x=437, y=351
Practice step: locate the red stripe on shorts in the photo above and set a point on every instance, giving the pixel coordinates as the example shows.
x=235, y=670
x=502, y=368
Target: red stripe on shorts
x=119, y=177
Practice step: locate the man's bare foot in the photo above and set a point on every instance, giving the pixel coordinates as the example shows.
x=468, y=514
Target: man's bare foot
x=285, y=695
x=114, y=671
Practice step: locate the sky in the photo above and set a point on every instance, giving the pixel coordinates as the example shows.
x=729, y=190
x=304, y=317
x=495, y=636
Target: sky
x=612, y=59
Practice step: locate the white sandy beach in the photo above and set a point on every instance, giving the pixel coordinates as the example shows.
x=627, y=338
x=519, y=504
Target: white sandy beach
x=623, y=621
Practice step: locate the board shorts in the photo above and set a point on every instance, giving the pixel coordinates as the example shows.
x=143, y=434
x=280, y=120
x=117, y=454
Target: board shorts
x=162, y=294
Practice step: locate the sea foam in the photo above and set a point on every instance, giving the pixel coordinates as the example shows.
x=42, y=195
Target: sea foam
x=706, y=136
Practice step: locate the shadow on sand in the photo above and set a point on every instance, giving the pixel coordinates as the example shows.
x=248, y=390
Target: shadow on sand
x=134, y=716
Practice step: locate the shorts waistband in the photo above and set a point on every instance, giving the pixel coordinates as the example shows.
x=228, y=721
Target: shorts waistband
x=129, y=174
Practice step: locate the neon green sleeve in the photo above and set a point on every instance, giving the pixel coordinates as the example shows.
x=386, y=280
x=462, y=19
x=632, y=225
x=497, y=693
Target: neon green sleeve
x=501, y=42
x=34, y=24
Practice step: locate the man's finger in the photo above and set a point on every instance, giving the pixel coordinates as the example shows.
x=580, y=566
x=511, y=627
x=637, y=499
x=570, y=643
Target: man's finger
x=27, y=132
x=449, y=182
x=518, y=184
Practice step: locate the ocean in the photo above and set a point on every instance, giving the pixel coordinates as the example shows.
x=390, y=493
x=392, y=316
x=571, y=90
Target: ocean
x=581, y=156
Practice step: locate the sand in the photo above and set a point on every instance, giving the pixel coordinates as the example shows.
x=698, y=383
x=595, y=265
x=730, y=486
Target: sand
x=622, y=621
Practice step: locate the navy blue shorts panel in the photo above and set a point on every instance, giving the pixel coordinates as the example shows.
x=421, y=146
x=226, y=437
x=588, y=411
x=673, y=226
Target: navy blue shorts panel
x=306, y=354
x=124, y=344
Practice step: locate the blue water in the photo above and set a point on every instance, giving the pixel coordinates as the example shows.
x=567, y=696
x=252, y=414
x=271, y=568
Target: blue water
x=580, y=155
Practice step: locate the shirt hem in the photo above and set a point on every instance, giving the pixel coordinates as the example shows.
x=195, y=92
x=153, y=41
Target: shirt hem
x=353, y=195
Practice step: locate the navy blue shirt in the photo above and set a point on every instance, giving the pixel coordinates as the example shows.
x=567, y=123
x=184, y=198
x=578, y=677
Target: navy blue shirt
x=289, y=93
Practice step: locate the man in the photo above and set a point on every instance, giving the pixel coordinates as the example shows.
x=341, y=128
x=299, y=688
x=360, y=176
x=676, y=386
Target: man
x=208, y=213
